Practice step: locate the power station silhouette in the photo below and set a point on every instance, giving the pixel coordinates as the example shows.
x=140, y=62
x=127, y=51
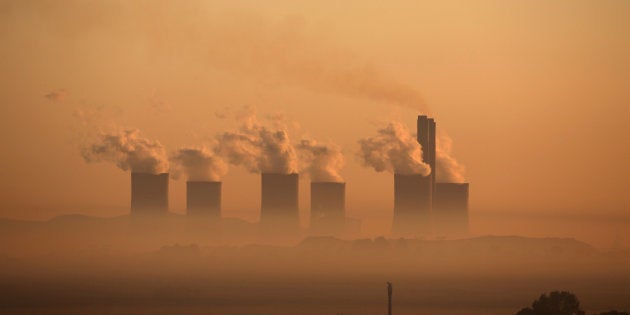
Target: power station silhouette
x=422, y=206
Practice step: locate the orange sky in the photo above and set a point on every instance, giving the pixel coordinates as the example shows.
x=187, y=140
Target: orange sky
x=534, y=93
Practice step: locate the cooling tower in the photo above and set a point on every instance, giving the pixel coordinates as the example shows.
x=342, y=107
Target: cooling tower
x=412, y=205
x=279, y=202
x=328, y=204
x=450, y=209
x=149, y=193
x=203, y=199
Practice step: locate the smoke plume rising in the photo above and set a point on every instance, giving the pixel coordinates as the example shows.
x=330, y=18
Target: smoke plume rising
x=199, y=164
x=128, y=150
x=258, y=148
x=447, y=168
x=395, y=150
x=321, y=161
x=290, y=50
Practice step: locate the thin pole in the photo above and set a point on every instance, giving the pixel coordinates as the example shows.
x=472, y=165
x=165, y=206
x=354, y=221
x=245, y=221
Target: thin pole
x=389, y=298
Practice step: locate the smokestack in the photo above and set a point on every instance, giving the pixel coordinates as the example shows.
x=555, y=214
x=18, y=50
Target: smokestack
x=328, y=206
x=431, y=149
x=450, y=208
x=279, y=202
x=203, y=198
x=412, y=204
x=149, y=193
x=423, y=137
x=426, y=138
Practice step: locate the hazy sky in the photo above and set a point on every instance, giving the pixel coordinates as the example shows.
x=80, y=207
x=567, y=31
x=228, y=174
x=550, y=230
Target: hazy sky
x=534, y=94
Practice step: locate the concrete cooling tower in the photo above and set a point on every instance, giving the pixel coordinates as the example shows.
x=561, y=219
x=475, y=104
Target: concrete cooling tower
x=412, y=205
x=279, y=202
x=203, y=199
x=450, y=209
x=149, y=193
x=328, y=206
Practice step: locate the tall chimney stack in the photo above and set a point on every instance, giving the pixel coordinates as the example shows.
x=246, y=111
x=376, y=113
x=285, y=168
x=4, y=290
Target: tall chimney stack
x=413, y=194
x=203, y=199
x=450, y=205
x=423, y=136
x=426, y=134
x=279, y=202
x=328, y=207
x=412, y=205
x=448, y=208
x=431, y=146
x=149, y=193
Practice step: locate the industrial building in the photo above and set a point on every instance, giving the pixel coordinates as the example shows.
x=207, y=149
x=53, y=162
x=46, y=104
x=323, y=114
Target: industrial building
x=279, y=203
x=149, y=193
x=328, y=208
x=450, y=209
x=423, y=206
x=412, y=205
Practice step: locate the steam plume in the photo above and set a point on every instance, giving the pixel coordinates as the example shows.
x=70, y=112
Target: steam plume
x=129, y=151
x=448, y=169
x=395, y=150
x=323, y=161
x=258, y=148
x=199, y=164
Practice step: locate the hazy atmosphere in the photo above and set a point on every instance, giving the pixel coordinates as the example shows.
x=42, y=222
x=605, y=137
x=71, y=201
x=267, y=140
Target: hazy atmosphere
x=530, y=99
x=532, y=93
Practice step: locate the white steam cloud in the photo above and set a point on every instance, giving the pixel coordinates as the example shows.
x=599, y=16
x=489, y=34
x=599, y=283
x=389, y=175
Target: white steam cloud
x=322, y=161
x=393, y=149
x=129, y=151
x=199, y=164
x=447, y=168
x=258, y=148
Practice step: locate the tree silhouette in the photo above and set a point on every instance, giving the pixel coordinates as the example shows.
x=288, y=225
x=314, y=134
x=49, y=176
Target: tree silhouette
x=556, y=303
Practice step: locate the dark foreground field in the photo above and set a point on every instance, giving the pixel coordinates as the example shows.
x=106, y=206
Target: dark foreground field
x=95, y=267
x=162, y=294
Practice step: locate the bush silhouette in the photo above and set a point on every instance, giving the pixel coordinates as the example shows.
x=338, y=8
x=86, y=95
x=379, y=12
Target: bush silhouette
x=556, y=303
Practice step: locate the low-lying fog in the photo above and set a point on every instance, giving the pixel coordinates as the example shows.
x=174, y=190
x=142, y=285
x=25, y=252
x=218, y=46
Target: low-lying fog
x=77, y=264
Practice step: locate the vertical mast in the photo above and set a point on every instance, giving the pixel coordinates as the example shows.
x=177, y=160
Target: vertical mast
x=389, y=298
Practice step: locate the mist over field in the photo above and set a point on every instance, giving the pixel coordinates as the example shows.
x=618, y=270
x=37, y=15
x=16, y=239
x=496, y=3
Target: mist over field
x=123, y=265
